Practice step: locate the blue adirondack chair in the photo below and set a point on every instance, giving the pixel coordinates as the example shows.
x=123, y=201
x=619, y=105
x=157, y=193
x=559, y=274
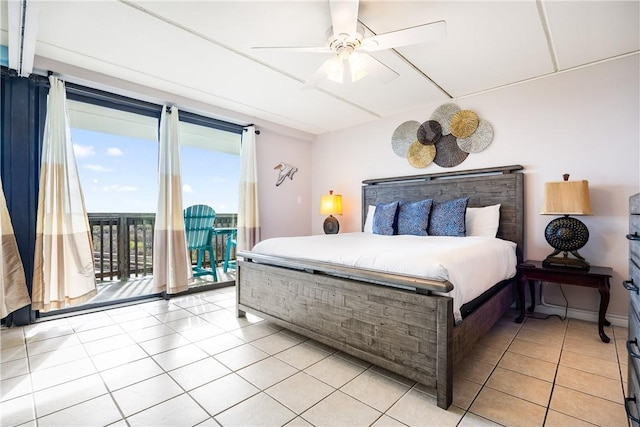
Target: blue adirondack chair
x=198, y=226
x=231, y=242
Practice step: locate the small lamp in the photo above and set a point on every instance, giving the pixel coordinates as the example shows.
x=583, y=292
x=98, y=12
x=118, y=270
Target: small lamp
x=331, y=204
x=566, y=234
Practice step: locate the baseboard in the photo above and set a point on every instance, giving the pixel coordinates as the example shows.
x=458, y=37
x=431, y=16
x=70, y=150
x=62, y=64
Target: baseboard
x=576, y=313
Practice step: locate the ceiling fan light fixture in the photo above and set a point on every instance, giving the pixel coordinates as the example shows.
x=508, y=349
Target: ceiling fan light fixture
x=346, y=67
x=357, y=66
x=334, y=68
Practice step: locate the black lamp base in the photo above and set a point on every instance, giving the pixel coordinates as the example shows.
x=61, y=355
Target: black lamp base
x=566, y=235
x=564, y=261
x=331, y=225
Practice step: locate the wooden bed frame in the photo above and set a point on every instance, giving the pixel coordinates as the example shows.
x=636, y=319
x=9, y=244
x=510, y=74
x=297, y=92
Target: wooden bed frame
x=392, y=321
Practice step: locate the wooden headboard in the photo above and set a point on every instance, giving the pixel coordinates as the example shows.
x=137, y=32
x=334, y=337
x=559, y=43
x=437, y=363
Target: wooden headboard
x=484, y=187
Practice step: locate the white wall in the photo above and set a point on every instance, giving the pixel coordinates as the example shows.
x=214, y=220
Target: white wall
x=284, y=210
x=584, y=122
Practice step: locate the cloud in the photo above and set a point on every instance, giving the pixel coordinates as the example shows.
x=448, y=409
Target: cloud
x=114, y=151
x=187, y=188
x=83, y=150
x=97, y=168
x=116, y=188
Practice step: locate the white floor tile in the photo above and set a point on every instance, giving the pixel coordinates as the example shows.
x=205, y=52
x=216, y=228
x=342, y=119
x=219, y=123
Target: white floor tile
x=68, y=394
x=177, y=357
x=221, y=394
x=239, y=357
x=130, y=373
x=387, y=391
x=17, y=411
x=300, y=392
x=267, y=372
x=302, y=355
x=199, y=373
x=220, y=343
x=176, y=412
x=14, y=368
x=143, y=395
x=52, y=344
x=259, y=410
x=340, y=409
x=58, y=357
x=15, y=387
x=101, y=411
x=164, y=343
x=60, y=374
x=418, y=409
x=119, y=356
x=335, y=371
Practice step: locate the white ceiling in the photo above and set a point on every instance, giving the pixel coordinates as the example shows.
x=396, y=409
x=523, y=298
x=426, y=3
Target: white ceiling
x=202, y=50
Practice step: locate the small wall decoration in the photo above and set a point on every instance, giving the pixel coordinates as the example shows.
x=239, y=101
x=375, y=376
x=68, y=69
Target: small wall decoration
x=403, y=137
x=286, y=170
x=421, y=155
x=446, y=139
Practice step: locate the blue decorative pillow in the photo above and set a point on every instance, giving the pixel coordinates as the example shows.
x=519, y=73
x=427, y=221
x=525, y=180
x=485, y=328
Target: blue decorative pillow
x=447, y=218
x=413, y=218
x=384, y=218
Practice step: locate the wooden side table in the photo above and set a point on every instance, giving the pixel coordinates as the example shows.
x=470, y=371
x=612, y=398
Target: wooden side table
x=595, y=277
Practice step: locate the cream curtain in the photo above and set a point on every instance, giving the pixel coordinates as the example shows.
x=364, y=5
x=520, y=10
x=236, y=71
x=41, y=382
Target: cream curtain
x=171, y=265
x=13, y=285
x=63, y=262
x=248, y=213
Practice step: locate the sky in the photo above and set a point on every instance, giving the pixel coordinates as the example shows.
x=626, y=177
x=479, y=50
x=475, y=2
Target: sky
x=119, y=174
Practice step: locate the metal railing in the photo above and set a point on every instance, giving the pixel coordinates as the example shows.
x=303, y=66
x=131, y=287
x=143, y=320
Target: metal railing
x=123, y=244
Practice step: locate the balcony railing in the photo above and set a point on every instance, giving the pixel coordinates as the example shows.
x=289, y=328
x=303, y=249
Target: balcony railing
x=123, y=244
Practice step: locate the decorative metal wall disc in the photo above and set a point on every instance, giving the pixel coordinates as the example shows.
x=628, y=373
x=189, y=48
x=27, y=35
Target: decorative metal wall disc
x=448, y=154
x=463, y=123
x=420, y=155
x=429, y=132
x=479, y=140
x=443, y=115
x=404, y=136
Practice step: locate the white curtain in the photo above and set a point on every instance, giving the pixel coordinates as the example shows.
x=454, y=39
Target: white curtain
x=248, y=213
x=63, y=262
x=13, y=285
x=171, y=265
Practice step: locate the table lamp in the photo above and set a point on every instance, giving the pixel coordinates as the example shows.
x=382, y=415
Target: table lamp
x=331, y=204
x=566, y=234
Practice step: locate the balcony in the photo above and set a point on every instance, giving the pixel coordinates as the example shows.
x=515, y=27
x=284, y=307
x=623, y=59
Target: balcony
x=123, y=254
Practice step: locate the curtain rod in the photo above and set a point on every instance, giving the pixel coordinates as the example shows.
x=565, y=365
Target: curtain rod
x=245, y=129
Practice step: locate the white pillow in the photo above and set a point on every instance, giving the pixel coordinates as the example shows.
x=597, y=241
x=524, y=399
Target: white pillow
x=368, y=223
x=483, y=221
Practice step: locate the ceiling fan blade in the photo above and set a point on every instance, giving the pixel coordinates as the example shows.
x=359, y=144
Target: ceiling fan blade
x=317, y=77
x=377, y=69
x=420, y=34
x=309, y=49
x=344, y=16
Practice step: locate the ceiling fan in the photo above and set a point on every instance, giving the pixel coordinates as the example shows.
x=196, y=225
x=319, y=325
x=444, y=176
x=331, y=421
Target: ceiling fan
x=349, y=47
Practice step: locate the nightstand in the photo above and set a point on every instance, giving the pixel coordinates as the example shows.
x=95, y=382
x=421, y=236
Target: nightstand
x=595, y=277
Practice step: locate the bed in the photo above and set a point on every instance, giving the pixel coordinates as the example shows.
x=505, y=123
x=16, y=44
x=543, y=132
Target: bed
x=399, y=322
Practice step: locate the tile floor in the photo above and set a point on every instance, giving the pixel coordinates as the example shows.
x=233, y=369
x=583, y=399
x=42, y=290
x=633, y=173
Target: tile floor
x=189, y=361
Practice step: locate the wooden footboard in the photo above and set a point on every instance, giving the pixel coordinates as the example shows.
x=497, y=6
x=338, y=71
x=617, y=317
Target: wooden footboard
x=402, y=331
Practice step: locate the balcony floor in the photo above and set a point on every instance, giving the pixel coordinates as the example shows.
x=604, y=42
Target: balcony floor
x=141, y=286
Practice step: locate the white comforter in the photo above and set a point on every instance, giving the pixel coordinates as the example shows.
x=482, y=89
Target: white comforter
x=471, y=264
